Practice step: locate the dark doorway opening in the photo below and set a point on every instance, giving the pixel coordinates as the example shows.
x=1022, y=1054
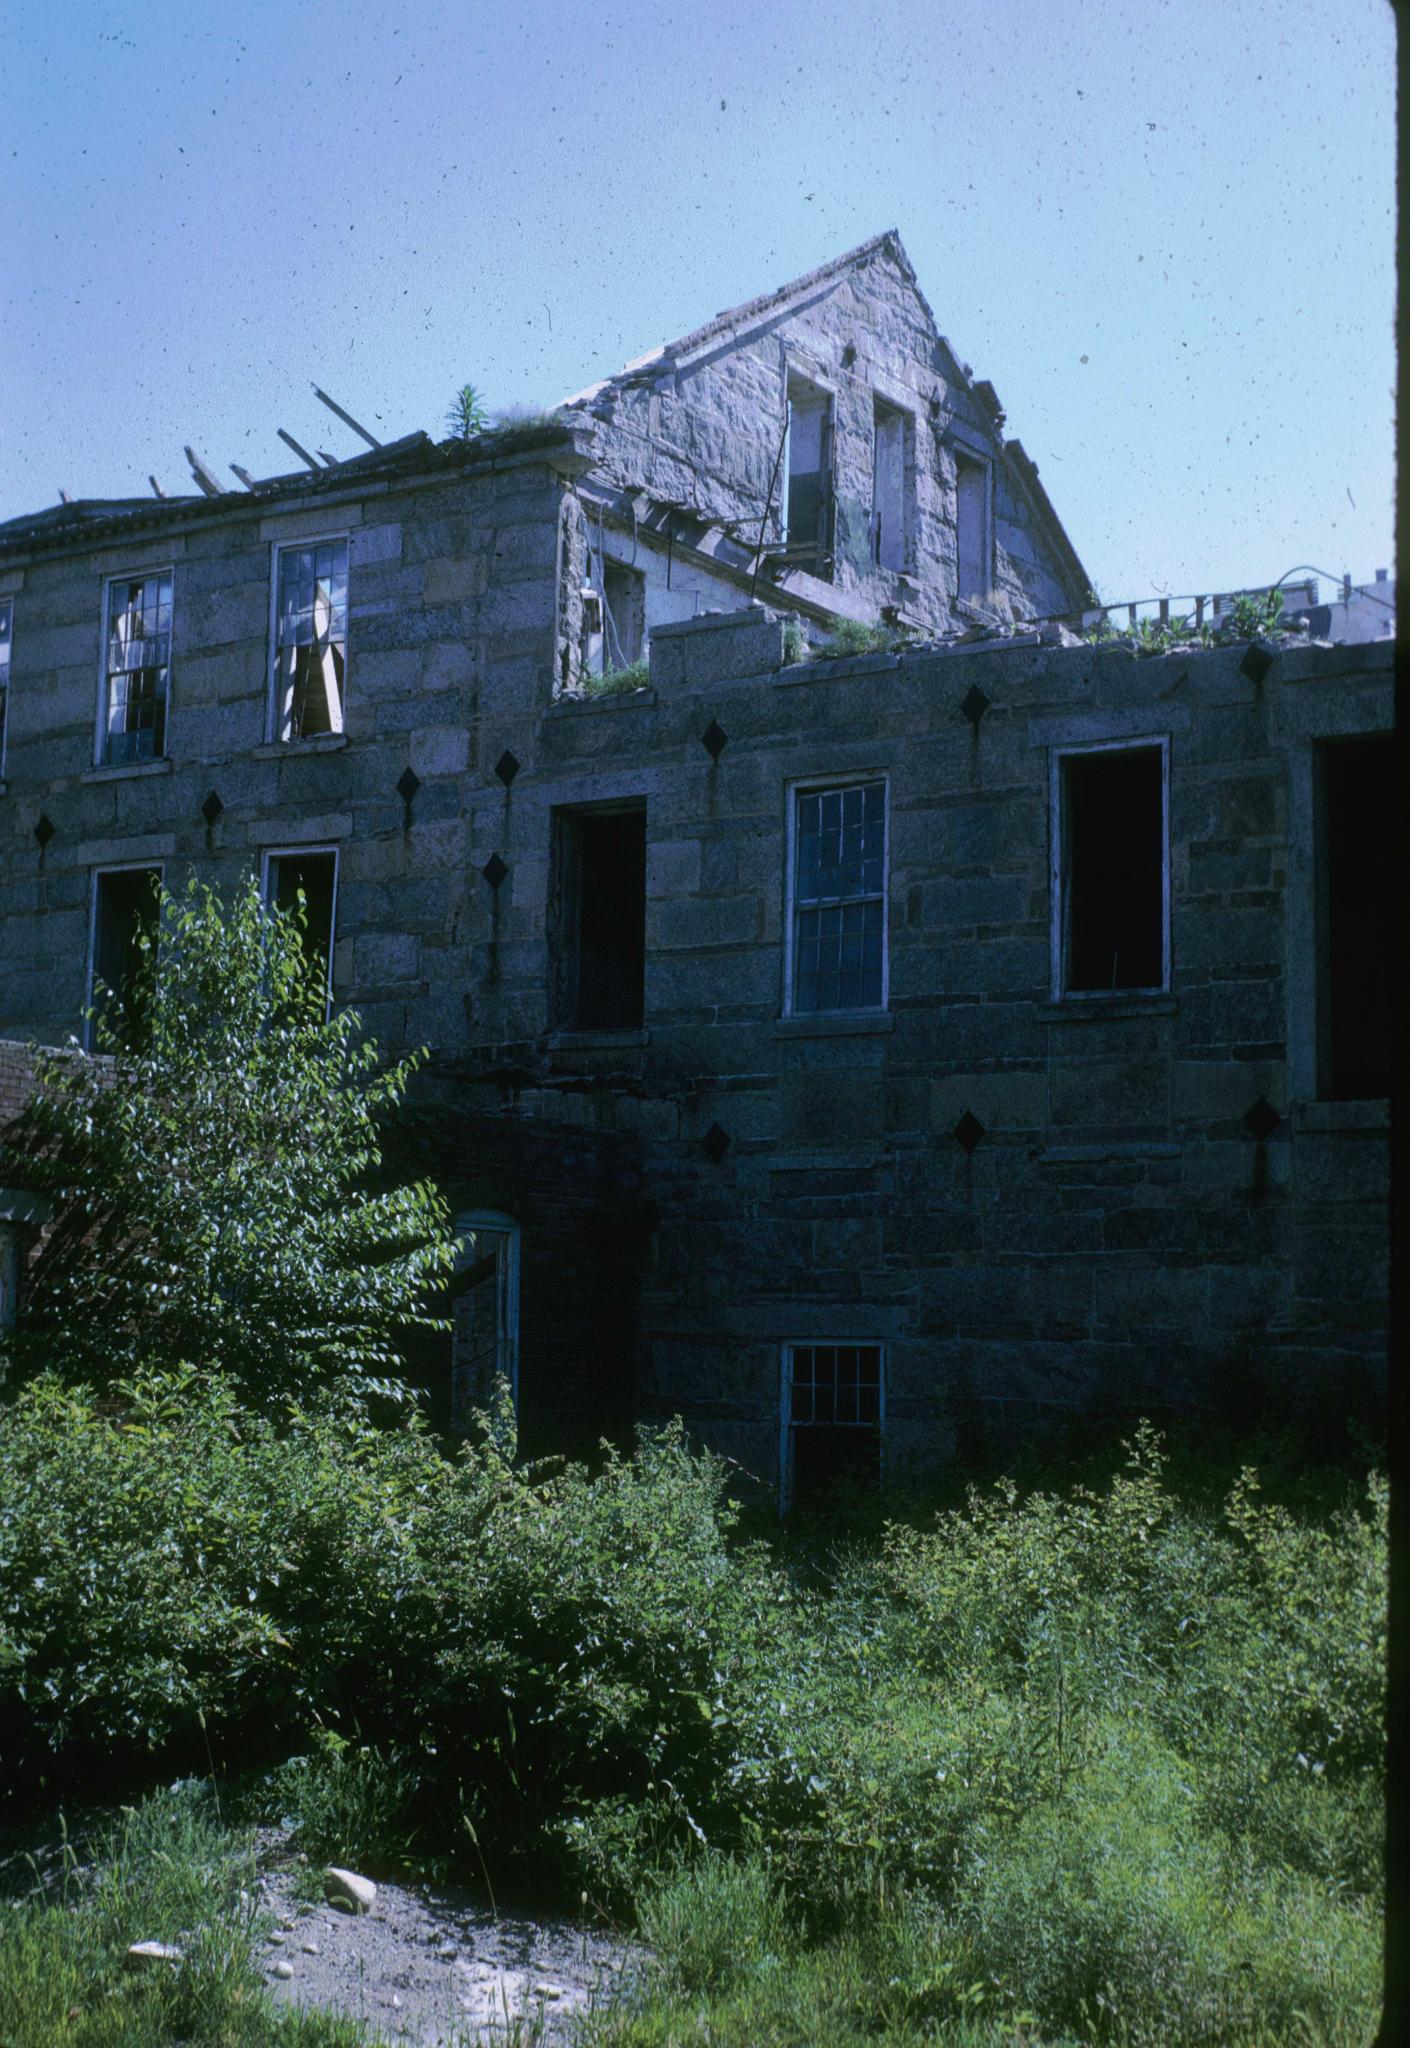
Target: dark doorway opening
x=1358, y=885
x=602, y=919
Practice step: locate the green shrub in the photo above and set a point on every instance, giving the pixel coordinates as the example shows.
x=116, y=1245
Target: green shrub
x=618, y=682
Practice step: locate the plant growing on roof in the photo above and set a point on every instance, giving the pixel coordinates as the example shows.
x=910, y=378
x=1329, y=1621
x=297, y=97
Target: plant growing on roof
x=467, y=416
x=213, y=1187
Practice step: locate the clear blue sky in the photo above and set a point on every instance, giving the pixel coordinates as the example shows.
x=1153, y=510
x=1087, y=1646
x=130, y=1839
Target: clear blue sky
x=1162, y=228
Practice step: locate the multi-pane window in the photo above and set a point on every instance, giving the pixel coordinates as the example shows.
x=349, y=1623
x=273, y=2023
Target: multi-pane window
x=485, y=1316
x=310, y=638
x=5, y=617
x=839, y=899
x=832, y=1419
x=137, y=667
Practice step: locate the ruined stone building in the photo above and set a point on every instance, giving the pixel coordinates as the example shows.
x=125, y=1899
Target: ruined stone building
x=870, y=1058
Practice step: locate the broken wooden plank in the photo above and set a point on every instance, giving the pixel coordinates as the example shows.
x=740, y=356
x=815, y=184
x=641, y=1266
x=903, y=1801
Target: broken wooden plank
x=310, y=460
x=203, y=476
x=346, y=417
x=244, y=475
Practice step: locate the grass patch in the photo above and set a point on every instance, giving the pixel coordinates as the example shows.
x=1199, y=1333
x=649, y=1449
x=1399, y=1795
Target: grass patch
x=618, y=681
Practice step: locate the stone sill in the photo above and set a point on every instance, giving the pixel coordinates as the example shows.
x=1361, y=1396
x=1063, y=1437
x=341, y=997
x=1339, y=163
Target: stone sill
x=1368, y=1114
x=117, y=771
x=608, y=700
x=319, y=743
x=1108, y=1009
x=598, y=1041
x=1117, y=1150
x=835, y=1024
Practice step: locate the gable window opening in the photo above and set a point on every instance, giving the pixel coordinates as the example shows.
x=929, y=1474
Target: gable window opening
x=6, y=617
x=311, y=632
x=888, y=518
x=1112, y=888
x=973, y=541
x=808, y=502
x=126, y=909
x=136, y=668
x=832, y=1420
x=614, y=617
x=311, y=874
x=600, y=946
x=838, y=939
x=1357, y=801
x=484, y=1315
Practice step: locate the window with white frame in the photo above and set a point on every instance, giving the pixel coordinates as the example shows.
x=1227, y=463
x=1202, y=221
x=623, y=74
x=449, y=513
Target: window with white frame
x=310, y=638
x=837, y=946
x=485, y=1313
x=304, y=882
x=832, y=1415
x=6, y=615
x=1111, y=869
x=136, y=667
x=126, y=906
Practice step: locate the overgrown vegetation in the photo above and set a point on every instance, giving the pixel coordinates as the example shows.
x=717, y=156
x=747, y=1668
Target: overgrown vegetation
x=1099, y=1757
x=467, y=415
x=1248, y=618
x=212, y=1187
x=855, y=636
x=617, y=682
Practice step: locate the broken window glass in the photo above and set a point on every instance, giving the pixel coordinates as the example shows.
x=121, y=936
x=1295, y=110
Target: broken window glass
x=833, y=1420
x=311, y=638
x=839, y=899
x=138, y=667
x=808, y=507
x=125, y=910
x=1114, y=883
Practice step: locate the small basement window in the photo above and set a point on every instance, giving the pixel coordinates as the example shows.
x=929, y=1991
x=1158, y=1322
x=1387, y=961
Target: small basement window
x=832, y=1421
x=1112, y=886
x=888, y=515
x=137, y=668
x=310, y=873
x=600, y=893
x=126, y=903
x=1359, y=802
x=310, y=638
x=484, y=1313
x=808, y=506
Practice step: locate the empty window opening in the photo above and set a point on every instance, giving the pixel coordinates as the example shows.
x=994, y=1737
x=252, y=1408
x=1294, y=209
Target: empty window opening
x=6, y=614
x=484, y=1314
x=310, y=874
x=888, y=517
x=1359, y=802
x=832, y=1421
x=972, y=550
x=136, y=668
x=601, y=924
x=839, y=899
x=126, y=902
x=808, y=507
x=1113, y=889
x=624, y=616
x=311, y=631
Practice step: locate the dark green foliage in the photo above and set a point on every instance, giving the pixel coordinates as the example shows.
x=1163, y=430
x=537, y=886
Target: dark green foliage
x=1100, y=1756
x=467, y=415
x=211, y=1186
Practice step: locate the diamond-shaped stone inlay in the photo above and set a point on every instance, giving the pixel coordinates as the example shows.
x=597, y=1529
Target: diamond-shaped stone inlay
x=974, y=704
x=506, y=767
x=212, y=808
x=1256, y=662
x=1262, y=1119
x=44, y=830
x=494, y=871
x=714, y=739
x=408, y=782
x=968, y=1131
x=715, y=1143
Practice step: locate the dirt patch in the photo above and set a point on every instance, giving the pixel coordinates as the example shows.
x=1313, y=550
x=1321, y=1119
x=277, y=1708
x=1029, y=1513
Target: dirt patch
x=436, y=1967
